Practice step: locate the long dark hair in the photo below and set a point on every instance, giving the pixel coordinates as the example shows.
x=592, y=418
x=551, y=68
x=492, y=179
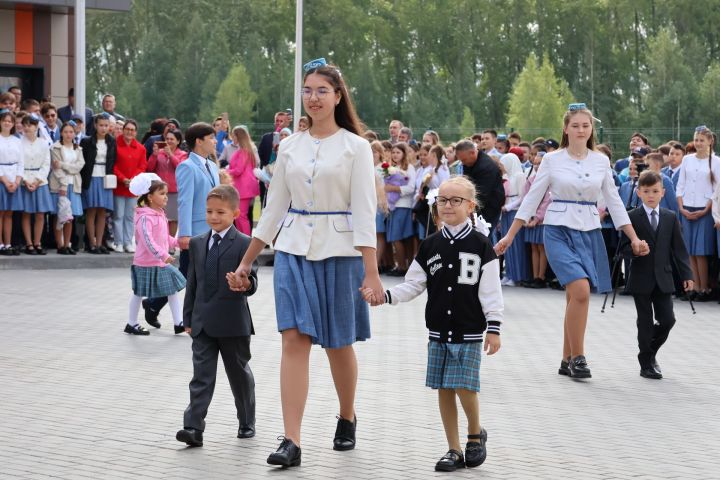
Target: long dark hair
x=345, y=114
x=64, y=126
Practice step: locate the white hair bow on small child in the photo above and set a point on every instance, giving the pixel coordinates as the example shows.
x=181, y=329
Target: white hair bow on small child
x=140, y=185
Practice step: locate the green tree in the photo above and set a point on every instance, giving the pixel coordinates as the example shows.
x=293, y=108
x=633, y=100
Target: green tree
x=709, y=95
x=234, y=96
x=539, y=99
x=467, y=125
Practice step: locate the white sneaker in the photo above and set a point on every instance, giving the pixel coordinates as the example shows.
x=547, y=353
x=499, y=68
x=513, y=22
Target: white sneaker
x=510, y=283
x=504, y=281
x=117, y=248
x=129, y=249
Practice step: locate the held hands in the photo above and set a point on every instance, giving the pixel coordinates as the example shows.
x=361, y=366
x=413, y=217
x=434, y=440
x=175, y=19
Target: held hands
x=376, y=294
x=239, y=280
x=184, y=243
x=640, y=248
x=688, y=285
x=492, y=343
x=170, y=259
x=369, y=296
x=502, y=245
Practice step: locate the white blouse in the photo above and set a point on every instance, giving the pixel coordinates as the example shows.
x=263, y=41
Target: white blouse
x=100, y=159
x=11, y=158
x=36, y=160
x=578, y=185
x=694, y=182
x=318, y=176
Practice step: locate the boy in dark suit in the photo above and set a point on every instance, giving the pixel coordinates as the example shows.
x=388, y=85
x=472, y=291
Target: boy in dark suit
x=217, y=318
x=650, y=278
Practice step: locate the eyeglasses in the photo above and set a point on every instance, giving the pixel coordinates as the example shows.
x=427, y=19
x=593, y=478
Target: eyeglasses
x=454, y=201
x=319, y=93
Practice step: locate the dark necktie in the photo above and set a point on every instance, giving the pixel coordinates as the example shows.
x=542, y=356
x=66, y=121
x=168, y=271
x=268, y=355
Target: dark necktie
x=653, y=220
x=52, y=134
x=212, y=180
x=212, y=267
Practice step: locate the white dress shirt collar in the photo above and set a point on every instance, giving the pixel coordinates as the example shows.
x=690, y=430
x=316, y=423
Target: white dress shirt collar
x=648, y=212
x=221, y=233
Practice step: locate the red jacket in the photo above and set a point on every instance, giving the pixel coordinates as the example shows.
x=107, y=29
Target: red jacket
x=129, y=162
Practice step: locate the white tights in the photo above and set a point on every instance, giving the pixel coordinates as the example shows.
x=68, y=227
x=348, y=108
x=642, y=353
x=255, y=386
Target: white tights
x=173, y=301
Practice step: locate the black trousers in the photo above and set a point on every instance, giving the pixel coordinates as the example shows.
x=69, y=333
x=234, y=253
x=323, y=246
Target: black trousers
x=235, y=353
x=651, y=335
x=156, y=304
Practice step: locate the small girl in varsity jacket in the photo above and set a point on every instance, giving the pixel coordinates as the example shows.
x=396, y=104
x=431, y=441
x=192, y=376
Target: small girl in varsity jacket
x=459, y=268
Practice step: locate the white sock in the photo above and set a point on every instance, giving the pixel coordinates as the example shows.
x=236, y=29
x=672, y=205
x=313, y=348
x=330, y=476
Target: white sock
x=175, y=308
x=134, y=309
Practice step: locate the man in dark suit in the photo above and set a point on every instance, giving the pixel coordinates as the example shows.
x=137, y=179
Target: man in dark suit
x=486, y=176
x=217, y=318
x=650, y=279
x=67, y=112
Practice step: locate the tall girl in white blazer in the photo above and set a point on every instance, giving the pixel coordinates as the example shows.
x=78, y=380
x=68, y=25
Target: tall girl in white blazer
x=577, y=176
x=699, y=175
x=323, y=196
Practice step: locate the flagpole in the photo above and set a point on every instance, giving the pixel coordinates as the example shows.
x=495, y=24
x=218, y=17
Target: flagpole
x=297, y=107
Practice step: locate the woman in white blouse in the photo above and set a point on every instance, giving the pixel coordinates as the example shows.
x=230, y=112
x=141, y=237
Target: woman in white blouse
x=699, y=174
x=11, y=172
x=322, y=200
x=35, y=191
x=578, y=176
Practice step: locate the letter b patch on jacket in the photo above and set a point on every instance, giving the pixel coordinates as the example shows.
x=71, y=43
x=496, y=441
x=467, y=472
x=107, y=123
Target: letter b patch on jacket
x=469, y=268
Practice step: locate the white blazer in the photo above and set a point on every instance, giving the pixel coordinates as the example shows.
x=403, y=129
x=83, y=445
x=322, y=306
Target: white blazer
x=587, y=180
x=333, y=174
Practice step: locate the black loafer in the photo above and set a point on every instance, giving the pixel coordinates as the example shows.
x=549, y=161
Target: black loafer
x=475, y=451
x=650, y=372
x=344, y=434
x=655, y=365
x=151, y=315
x=579, y=367
x=246, y=431
x=179, y=328
x=450, y=462
x=190, y=436
x=564, y=367
x=136, y=330
x=287, y=455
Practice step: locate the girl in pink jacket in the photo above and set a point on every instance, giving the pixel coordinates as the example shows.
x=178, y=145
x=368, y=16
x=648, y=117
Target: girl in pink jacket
x=240, y=169
x=152, y=273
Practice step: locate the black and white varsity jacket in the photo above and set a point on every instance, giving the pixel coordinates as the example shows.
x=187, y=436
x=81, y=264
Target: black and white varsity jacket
x=459, y=268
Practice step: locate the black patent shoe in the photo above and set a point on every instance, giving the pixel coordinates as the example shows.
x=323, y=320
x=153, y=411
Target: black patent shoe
x=579, y=367
x=564, y=367
x=40, y=250
x=475, y=451
x=190, y=436
x=150, y=315
x=29, y=250
x=246, y=431
x=287, y=455
x=650, y=372
x=179, y=328
x=450, y=462
x=136, y=330
x=344, y=434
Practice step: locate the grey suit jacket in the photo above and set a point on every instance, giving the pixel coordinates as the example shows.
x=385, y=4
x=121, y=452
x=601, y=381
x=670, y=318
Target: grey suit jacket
x=666, y=246
x=225, y=313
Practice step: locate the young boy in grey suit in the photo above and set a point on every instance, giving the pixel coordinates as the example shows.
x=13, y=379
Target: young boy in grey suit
x=650, y=280
x=217, y=318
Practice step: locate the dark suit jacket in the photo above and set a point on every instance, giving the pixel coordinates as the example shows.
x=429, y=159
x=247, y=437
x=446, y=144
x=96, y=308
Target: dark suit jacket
x=226, y=313
x=666, y=245
x=486, y=176
x=65, y=113
x=89, y=150
x=265, y=148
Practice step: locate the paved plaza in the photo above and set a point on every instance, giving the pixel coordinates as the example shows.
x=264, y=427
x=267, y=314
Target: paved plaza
x=82, y=400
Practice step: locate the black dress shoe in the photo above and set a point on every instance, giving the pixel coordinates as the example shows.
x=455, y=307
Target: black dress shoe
x=579, y=367
x=136, y=330
x=40, y=250
x=287, y=455
x=179, y=328
x=655, y=365
x=650, y=372
x=62, y=251
x=150, y=315
x=450, y=462
x=246, y=431
x=564, y=367
x=103, y=250
x=475, y=451
x=344, y=434
x=193, y=438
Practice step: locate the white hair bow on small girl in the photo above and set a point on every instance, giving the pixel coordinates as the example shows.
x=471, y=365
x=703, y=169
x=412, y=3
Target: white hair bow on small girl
x=140, y=184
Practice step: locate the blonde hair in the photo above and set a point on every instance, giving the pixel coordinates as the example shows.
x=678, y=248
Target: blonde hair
x=466, y=184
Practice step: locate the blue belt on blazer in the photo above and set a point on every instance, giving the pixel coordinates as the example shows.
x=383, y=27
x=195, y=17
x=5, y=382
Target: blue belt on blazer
x=577, y=202
x=8, y=164
x=306, y=212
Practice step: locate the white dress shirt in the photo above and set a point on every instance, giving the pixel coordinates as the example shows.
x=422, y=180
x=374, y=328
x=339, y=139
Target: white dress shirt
x=333, y=174
x=36, y=160
x=11, y=158
x=694, y=183
x=648, y=212
x=100, y=159
x=222, y=235
x=587, y=180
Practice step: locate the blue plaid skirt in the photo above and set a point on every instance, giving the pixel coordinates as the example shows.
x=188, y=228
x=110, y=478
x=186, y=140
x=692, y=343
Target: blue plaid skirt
x=10, y=201
x=454, y=365
x=321, y=299
x=75, y=201
x=97, y=196
x=153, y=282
x=698, y=234
x=38, y=201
